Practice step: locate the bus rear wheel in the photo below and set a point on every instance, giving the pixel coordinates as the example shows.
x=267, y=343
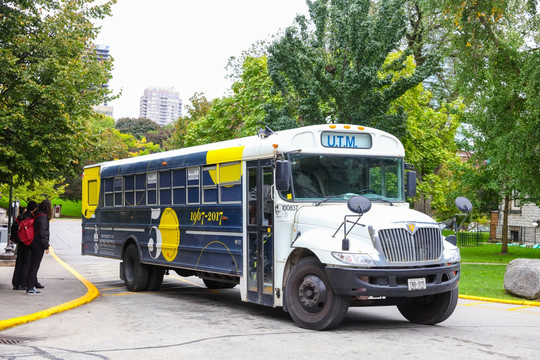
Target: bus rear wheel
x=155, y=277
x=135, y=273
x=311, y=301
x=430, y=309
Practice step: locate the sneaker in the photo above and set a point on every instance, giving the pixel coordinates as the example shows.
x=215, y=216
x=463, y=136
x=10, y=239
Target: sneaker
x=39, y=286
x=32, y=292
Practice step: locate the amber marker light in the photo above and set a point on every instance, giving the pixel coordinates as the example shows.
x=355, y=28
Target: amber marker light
x=361, y=128
x=332, y=126
x=347, y=126
x=164, y=163
x=275, y=146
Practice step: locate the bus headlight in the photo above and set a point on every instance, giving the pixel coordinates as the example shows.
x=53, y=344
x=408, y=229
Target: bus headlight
x=451, y=255
x=354, y=259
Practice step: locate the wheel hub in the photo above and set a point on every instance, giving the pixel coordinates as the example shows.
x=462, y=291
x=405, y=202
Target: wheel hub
x=312, y=293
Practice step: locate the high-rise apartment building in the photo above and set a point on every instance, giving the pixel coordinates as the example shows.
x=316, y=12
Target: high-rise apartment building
x=163, y=105
x=102, y=54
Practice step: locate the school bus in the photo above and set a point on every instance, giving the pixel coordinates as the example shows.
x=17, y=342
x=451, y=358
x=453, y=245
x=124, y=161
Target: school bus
x=313, y=220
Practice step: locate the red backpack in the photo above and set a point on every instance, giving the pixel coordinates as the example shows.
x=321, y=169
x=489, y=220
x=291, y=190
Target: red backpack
x=26, y=229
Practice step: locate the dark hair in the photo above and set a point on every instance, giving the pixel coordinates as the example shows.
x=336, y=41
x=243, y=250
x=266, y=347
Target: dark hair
x=32, y=205
x=46, y=207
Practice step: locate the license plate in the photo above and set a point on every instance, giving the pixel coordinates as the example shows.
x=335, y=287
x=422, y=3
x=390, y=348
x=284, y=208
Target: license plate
x=417, y=284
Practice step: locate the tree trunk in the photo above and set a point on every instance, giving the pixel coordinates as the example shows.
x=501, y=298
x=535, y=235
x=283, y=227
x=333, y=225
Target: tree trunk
x=506, y=211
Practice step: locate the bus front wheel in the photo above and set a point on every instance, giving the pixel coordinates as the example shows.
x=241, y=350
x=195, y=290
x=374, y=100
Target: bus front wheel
x=311, y=301
x=430, y=309
x=135, y=273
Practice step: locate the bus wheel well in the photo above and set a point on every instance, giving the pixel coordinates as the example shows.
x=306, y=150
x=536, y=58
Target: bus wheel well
x=129, y=241
x=294, y=258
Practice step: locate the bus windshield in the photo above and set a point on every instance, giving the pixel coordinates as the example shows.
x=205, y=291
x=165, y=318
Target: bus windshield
x=319, y=177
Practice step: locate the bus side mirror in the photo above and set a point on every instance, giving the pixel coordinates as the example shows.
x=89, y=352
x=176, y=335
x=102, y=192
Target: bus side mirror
x=452, y=239
x=283, y=175
x=410, y=190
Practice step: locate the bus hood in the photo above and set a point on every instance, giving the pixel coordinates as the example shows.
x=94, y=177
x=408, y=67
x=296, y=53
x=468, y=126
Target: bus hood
x=380, y=216
x=318, y=227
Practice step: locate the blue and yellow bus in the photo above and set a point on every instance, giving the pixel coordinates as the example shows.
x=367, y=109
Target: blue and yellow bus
x=312, y=219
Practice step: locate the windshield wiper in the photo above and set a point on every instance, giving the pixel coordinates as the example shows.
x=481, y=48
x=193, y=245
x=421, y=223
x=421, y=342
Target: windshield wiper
x=350, y=195
x=383, y=200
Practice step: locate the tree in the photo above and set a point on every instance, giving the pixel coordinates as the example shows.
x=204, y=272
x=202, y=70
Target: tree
x=328, y=67
x=137, y=127
x=50, y=77
x=36, y=190
x=429, y=141
x=496, y=47
x=199, y=108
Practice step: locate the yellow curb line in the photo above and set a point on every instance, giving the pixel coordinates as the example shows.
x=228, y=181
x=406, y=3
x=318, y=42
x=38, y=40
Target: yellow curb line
x=504, y=301
x=91, y=294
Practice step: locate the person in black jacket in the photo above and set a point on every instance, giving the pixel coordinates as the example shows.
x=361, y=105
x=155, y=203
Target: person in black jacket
x=39, y=245
x=22, y=263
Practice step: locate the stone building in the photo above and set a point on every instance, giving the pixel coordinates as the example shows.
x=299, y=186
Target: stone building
x=521, y=223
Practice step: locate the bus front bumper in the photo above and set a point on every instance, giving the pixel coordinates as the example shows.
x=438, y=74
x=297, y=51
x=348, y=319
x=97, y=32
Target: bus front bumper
x=394, y=282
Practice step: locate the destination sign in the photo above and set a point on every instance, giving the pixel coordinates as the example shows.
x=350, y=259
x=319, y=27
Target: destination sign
x=345, y=140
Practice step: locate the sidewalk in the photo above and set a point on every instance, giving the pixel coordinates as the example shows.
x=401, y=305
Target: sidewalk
x=63, y=291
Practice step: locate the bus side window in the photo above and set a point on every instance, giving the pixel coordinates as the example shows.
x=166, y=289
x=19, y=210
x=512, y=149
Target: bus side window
x=179, y=187
x=140, y=189
x=151, y=188
x=129, y=190
x=230, y=183
x=193, y=182
x=209, y=184
x=165, y=188
x=118, y=191
x=108, y=190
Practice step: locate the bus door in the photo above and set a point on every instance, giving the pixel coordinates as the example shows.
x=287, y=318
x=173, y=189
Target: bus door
x=260, y=231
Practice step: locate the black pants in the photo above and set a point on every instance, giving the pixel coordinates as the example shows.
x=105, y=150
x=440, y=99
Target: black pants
x=36, y=256
x=22, y=266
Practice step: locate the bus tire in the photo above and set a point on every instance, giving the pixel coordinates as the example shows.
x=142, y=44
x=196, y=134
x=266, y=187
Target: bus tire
x=155, y=277
x=135, y=273
x=430, y=309
x=212, y=284
x=311, y=301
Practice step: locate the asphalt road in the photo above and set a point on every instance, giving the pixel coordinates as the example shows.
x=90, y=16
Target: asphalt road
x=184, y=320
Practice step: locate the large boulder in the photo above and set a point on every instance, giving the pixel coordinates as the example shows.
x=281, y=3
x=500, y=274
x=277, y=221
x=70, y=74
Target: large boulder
x=522, y=278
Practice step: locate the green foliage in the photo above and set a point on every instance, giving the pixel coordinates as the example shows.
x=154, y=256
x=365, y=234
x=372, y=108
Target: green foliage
x=328, y=67
x=429, y=140
x=496, y=48
x=137, y=127
x=200, y=106
x=36, y=190
x=50, y=77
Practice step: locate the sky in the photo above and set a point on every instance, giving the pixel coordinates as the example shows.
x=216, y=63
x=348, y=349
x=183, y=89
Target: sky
x=184, y=44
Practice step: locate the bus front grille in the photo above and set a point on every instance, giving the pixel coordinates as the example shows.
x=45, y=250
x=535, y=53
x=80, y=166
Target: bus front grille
x=399, y=245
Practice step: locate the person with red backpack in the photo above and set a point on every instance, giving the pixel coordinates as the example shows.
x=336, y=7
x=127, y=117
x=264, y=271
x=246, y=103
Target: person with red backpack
x=22, y=263
x=40, y=244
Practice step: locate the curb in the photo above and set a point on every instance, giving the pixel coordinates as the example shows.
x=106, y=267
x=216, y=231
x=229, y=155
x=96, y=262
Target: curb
x=90, y=295
x=504, y=301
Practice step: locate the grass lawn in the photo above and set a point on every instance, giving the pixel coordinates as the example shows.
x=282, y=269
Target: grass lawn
x=480, y=279
x=69, y=208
